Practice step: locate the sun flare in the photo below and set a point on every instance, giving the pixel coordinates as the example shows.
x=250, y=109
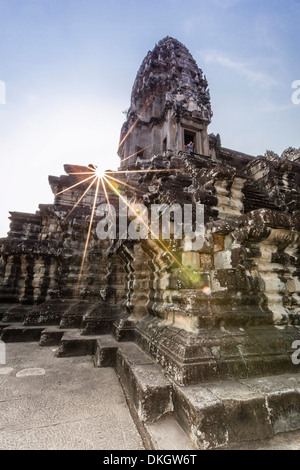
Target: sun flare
x=97, y=170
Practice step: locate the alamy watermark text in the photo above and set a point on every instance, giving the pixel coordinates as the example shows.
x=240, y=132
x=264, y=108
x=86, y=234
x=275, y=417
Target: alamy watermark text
x=296, y=94
x=163, y=221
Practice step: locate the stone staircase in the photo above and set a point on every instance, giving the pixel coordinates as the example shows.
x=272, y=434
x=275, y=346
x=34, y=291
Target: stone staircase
x=172, y=417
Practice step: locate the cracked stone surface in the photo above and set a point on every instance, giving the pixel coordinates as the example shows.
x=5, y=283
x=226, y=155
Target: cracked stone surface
x=72, y=406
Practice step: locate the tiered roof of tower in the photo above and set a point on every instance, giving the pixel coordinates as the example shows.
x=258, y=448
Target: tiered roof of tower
x=170, y=68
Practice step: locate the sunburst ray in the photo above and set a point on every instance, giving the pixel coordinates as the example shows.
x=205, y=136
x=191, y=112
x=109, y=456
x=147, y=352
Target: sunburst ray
x=123, y=182
x=81, y=197
x=89, y=233
x=149, y=229
x=74, y=185
x=136, y=153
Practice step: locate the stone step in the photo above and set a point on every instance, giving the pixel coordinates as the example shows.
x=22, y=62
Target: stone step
x=4, y=309
x=203, y=416
x=73, y=343
x=47, y=313
x=72, y=317
x=97, y=325
x=215, y=415
x=105, y=354
x=144, y=382
x=206, y=416
x=17, y=332
x=147, y=388
x=4, y=325
x=282, y=396
x=16, y=313
x=51, y=336
x=167, y=434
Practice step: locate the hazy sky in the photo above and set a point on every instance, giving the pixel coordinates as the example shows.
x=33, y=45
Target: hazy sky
x=69, y=65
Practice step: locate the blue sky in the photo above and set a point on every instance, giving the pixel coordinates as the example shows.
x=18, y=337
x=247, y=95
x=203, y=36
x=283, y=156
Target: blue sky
x=69, y=66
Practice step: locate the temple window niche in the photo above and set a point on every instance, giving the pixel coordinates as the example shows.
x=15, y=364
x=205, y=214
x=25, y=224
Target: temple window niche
x=192, y=141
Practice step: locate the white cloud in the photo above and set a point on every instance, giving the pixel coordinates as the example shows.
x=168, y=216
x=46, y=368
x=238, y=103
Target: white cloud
x=242, y=68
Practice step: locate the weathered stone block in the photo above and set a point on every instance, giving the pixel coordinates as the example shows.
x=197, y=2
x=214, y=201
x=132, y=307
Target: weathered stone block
x=247, y=417
x=206, y=261
x=148, y=389
x=222, y=260
x=201, y=415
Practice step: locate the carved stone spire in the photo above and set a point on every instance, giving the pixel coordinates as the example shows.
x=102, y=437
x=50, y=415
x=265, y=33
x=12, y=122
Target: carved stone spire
x=170, y=104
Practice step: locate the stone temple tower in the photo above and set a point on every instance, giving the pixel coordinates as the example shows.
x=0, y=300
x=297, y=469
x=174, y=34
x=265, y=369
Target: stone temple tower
x=203, y=337
x=170, y=105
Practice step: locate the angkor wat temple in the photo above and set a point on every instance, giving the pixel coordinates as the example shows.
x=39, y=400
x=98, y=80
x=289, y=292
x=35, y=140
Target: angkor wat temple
x=200, y=338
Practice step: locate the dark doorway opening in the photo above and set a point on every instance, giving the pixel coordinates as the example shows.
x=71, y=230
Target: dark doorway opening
x=165, y=144
x=189, y=141
x=139, y=152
